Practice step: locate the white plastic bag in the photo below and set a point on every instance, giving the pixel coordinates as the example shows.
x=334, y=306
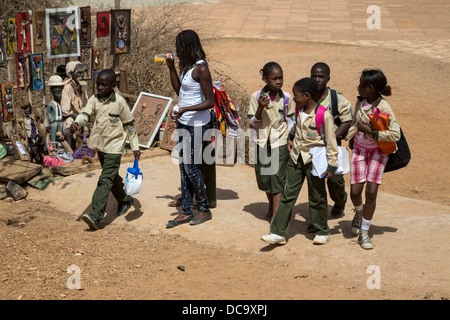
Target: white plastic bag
x=133, y=180
x=320, y=160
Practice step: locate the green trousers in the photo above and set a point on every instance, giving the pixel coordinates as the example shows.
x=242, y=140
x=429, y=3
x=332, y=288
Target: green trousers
x=317, y=197
x=336, y=189
x=109, y=181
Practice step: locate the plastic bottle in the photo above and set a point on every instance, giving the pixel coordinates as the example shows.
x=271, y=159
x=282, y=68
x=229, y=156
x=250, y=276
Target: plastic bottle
x=164, y=56
x=269, y=105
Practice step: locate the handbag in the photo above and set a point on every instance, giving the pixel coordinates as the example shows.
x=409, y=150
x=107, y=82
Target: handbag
x=400, y=158
x=380, y=122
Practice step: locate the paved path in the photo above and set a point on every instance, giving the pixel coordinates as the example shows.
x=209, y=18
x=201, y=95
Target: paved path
x=418, y=26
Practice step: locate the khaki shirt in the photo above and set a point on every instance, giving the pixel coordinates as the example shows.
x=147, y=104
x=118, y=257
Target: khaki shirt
x=390, y=135
x=305, y=136
x=273, y=126
x=111, y=121
x=344, y=107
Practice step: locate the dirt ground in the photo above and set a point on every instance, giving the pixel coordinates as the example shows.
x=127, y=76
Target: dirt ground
x=136, y=257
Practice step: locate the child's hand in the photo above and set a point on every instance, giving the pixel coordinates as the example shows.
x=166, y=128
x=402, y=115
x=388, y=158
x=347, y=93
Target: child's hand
x=327, y=175
x=170, y=63
x=263, y=100
x=290, y=143
x=73, y=127
x=364, y=127
x=137, y=154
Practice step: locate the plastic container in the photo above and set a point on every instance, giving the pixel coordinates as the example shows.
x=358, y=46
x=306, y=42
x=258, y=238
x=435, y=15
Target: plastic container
x=164, y=56
x=269, y=105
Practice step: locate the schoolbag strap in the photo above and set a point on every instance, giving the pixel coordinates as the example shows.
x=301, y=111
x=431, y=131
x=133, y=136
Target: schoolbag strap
x=334, y=107
x=320, y=121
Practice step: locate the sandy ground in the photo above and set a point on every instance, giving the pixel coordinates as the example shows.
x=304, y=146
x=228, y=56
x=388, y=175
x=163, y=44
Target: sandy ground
x=136, y=257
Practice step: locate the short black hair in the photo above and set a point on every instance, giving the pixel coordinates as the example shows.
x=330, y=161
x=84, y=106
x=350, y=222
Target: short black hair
x=321, y=65
x=109, y=73
x=268, y=67
x=307, y=85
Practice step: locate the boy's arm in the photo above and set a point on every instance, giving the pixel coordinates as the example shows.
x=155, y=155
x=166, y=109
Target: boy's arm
x=128, y=125
x=84, y=116
x=332, y=147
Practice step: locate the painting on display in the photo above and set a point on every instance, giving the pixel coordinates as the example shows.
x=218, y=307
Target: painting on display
x=85, y=26
x=86, y=61
x=21, y=71
x=38, y=22
x=11, y=35
x=36, y=71
x=2, y=50
x=103, y=24
x=7, y=89
x=62, y=34
x=120, y=31
x=149, y=112
x=23, y=27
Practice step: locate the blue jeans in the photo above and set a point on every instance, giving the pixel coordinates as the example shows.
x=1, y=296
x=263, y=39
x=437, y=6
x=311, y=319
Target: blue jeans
x=190, y=141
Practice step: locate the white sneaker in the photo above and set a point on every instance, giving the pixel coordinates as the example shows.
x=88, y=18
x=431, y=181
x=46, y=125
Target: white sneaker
x=321, y=239
x=273, y=238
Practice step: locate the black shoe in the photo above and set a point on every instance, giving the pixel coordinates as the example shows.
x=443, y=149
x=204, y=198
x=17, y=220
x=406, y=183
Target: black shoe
x=91, y=221
x=199, y=221
x=337, y=211
x=174, y=223
x=123, y=208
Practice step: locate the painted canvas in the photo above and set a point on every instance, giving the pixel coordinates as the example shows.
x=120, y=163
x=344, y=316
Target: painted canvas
x=21, y=71
x=120, y=31
x=62, y=32
x=38, y=22
x=23, y=27
x=149, y=112
x=11, y=35
x=103, y=24
x=85, y=25
x=8, y=113
x=86, y=61
x=36, y=71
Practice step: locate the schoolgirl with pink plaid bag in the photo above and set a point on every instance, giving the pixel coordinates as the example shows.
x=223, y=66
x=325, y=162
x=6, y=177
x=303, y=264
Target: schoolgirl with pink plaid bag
x=368, y=161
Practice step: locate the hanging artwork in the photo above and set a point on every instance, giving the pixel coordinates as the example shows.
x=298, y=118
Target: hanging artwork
x=120, y=31
x=103, y=24
x=8, y=101
x=86, y=61
x=2, y=51
x=38, y=22
x=36, y=71
x=149, y=112
x=23, y=32
x=94, y=82
x=21, y=71
x=11, y=33
x=85, y=25
x=62, y=34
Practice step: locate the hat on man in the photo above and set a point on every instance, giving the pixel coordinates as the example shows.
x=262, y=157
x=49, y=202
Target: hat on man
x=55, y=80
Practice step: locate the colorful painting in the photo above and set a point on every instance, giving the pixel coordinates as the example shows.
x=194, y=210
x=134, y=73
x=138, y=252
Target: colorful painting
x=38, y=22
x=11, y=34
x=103, y=24
x=23, y=27
x=8, y=101
x=85, y=24
x=21, y=71
x=62, y=32
x=120, y=31
x=36, y=71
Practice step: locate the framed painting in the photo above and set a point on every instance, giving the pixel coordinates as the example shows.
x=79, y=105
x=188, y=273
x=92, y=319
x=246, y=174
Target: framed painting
x=38, y=22
x=85, y=26
x=94, y=82
x=36, y=71
x=103, y=24
x=7, y=89
x=62, y=32
x=11, y=35
x=120, y=31
x=86, y=61
x=21, y=71
x=23, y=27
x=149, y=112
x=2, y=51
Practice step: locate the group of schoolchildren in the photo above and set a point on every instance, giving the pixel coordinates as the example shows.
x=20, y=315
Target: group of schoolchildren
x=285, y=126
x=271, y=115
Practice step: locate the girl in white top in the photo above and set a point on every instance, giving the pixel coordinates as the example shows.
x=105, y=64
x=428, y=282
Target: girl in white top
x=196, y=96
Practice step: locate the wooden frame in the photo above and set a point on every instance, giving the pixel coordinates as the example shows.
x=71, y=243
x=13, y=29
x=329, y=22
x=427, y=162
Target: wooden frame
x=23, y=26
x=62, y=32
x=103, y=24
x=149, y=112
x=36, y=61
x=38, y=22
x=85, y=26
x=2, y=51
x=21, y=71
x=86, y=61
x=11, y=35
x=120, y=31
x=7, y=89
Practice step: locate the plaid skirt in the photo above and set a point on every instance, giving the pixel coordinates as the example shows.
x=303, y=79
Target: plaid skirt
x=367, y=165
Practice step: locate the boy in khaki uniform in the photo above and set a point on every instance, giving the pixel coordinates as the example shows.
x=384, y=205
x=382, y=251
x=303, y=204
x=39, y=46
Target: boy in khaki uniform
x=302, y=137
x=336, y=185
x=113, y=124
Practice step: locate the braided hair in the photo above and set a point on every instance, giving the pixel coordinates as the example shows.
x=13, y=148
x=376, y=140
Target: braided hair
x=189, y=41
x=267, y=69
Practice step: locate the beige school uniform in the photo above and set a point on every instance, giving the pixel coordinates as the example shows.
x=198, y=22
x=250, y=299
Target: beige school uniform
x=273, y=126
x=305, y=137
x=113, y=122
x=344, y=107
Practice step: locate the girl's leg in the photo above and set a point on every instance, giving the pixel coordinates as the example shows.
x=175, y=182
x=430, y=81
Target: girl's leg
x=371, y=200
